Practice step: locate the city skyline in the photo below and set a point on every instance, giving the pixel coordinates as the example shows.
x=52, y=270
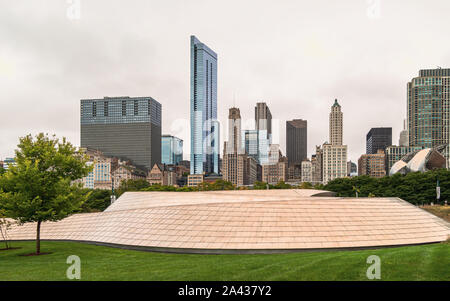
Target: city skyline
x=131, y=57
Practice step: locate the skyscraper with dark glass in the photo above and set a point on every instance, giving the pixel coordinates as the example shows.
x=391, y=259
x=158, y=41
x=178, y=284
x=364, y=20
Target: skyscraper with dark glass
x=378, y=138
x=428, y=110
x=124, y=127
x=296, y=141
x=204, y=125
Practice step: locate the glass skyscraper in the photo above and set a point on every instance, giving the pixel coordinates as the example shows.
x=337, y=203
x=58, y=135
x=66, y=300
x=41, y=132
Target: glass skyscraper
x=204, y=125
x=123, y=127
x=429, y=109
x=171, y=150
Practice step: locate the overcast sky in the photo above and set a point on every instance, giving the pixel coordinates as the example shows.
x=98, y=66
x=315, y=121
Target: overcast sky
x=298, y=56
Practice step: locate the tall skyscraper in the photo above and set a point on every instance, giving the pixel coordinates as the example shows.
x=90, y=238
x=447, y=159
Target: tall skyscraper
x=263, y=123
x=123, y=127
x=237, y=167
x=335, y=154
x=250, y=142
x=428, y=109
x=171, y=150
x=378, y=138
x=296, y=141
x=204, y=125
x=336, y=131
x=403, y=140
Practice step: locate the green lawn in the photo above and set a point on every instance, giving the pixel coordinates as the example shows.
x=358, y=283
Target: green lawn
x=426, y=262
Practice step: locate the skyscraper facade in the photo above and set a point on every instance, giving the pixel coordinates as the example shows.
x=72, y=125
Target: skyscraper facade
x=263, y=124
x=171, y=150
x=125, y=127
x=428, y=109
x=334, y=160
x=296, y=141
x=378, y=138
x=237, y=167
x=251, y=143
x=404, y=140
x=336, y=128
x=204, y=125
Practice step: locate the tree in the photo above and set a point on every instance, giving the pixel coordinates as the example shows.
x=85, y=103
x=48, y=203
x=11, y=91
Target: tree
x=4, y=227
x=132, y=185
x=38, y=188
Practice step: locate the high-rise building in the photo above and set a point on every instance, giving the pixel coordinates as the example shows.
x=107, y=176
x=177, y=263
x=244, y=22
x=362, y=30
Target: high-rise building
x=403, y=140
x=352, y=170
x=263, y=123
x=250, y=142
x=336, y=124
x=335, y=153
x=204, y=125
x=237, y=167
x=125, y=127
x=296, y=141
x=171, y=150
x=396, y=153
x=428, y=109
x=378, y=138
x=317, y=161
x=372, y=165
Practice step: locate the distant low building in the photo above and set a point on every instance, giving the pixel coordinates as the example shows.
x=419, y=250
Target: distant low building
x=194, y=180
x=163, y=175
x=8, y=162
x=307, y=171
x=396, y=153
x=372, y=165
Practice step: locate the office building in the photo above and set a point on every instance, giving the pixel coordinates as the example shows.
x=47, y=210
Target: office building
x=352, y=170
x=378, y=138
x=8, y=162
x=162, y=174
x=125, y=127
x=251, y=143
x=307, y=171
x=237, y=167
x=396, y=153
x=171, y=150
x=296, y=141
x=404, y=139
x=263, y=125
x=204, y=125
x=334, y=154
x=428, y=110
x=372, y=165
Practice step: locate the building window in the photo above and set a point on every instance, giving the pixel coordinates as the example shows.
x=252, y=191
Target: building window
x=105, y=108
x=136, y=107
x=94, y=109
x=124, y=108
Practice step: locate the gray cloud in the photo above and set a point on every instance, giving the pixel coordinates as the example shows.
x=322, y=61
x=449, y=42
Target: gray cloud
x=296, y=55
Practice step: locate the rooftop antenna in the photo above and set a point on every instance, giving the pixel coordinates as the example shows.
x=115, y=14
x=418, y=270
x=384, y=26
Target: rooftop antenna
x=234, y=99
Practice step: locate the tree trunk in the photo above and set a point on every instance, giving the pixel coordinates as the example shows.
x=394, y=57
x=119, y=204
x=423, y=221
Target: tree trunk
x=38, y=238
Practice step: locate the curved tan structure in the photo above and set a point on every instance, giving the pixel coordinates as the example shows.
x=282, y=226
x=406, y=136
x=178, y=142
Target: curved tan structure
x=252, y=221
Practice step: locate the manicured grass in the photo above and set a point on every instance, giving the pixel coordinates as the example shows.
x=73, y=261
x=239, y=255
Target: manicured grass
x=425, y=262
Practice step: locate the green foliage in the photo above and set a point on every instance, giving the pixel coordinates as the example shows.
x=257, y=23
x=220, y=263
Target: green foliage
x=38, y=188
x=305, y=185
x=416, y=188
x=96, y=200
x=2, y=170
x=132, y=185
x=260, y=185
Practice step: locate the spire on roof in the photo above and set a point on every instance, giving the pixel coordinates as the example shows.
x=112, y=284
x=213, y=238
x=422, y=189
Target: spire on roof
x=336, y=103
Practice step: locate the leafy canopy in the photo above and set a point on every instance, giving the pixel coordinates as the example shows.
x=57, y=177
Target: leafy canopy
x=38, y=187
